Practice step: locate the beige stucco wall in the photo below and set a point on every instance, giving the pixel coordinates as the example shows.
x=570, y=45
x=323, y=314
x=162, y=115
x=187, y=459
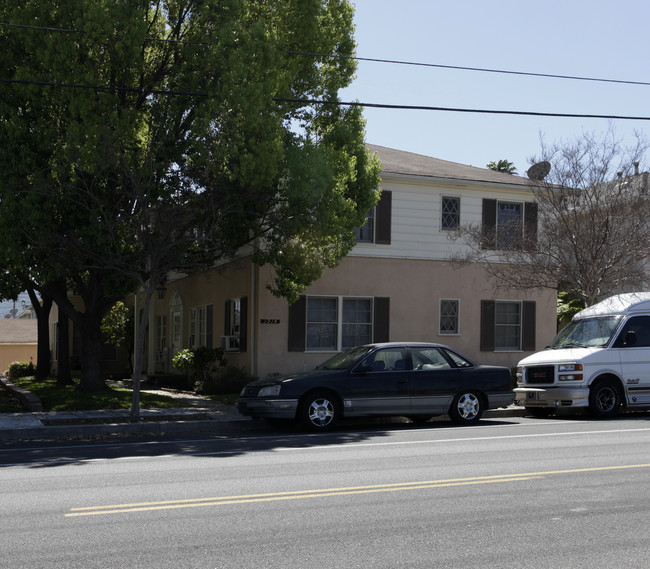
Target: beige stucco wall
x=415, y=288
x=214, y=287
x=16, y=353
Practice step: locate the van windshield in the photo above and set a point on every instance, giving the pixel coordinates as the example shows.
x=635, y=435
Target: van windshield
x=587, y=333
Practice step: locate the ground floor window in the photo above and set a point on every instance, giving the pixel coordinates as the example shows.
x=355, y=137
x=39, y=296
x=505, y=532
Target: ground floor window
x=449, y=316
x=161, y=336
x=507, y=325
x=202, y=326
x=334, y=323
x=338, y=323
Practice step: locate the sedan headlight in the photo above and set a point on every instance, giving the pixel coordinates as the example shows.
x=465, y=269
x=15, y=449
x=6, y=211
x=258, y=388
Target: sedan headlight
x=270, y=391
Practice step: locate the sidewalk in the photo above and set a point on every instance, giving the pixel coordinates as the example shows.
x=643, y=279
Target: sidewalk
x=217, y=420
x=93, y=424
x=195, y=414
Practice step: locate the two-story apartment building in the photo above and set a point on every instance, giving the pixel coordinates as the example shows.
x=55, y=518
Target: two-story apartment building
x=397, y=283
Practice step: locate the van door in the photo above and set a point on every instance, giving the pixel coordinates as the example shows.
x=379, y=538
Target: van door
x=633, y=347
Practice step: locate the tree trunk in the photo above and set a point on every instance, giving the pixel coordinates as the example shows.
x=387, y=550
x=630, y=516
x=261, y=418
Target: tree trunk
x=91, y=353
x=139, y=354
x=42, y=311
x=64, y=377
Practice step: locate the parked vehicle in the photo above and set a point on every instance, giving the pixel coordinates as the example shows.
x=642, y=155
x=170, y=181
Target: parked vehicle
x=416, y=380
x=600, y=361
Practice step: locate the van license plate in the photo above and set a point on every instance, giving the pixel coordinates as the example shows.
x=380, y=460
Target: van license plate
x=532, y=396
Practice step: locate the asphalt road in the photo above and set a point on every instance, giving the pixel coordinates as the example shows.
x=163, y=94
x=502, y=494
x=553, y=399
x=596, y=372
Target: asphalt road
x=511, y=493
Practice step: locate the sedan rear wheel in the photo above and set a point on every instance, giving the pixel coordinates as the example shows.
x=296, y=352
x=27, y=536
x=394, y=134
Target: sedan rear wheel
x=466, y=408
x=319, y=411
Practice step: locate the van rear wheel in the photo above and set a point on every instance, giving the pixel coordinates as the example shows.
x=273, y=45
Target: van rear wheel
x=604, y=399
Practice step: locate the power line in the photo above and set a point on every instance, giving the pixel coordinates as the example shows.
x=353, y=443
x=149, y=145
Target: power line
x=303, y=102
x=375, y=60
x=482, y=69
x=458, y=110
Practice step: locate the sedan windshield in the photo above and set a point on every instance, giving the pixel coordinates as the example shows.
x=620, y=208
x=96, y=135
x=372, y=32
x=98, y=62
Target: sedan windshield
x=345, y=360
x=588, y=333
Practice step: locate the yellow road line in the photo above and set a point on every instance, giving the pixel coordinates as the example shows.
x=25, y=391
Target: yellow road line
x=326, y=492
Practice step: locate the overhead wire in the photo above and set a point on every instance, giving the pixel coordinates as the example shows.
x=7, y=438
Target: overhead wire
x=106, y=88
x=377, y=60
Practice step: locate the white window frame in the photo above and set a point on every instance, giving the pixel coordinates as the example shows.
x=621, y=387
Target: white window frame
x=497, y=325
x=519, y=239
x=198, y=326
x=339, y=323
x=443, y=213
x=161, y=336
x=372, y=221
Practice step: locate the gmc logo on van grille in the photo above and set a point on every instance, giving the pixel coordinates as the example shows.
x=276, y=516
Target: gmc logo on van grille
x=540, y=374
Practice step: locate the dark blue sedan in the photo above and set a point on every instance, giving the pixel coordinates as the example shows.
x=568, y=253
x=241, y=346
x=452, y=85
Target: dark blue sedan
x=415, y=380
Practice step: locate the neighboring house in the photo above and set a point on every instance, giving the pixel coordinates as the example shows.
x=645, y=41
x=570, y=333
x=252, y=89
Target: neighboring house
x=397, y=284
x=18, y=341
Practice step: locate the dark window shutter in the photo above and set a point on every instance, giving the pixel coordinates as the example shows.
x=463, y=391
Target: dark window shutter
x=209, y=325
x=243, y=323
x=297, y=323
x=528, y=326
x=226, y=319
x=487, y=325
x=530, y=226
x=381, y=329
x=489, y=224
x=383, y=214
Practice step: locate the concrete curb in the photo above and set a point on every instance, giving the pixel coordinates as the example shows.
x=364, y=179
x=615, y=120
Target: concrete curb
x=226, y=425
x=27, y=398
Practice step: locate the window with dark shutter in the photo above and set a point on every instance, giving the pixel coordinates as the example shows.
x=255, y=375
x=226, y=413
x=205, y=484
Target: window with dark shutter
x=226, y=318
x=489, y=224
x=530, y=226
x=209, y=325
x=297, y=320
x=487, y=325
x=383, y=218
x=381, y=327
x=528, y=323
x=243, y=326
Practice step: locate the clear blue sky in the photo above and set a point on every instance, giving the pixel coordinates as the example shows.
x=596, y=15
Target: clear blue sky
x=602, y=39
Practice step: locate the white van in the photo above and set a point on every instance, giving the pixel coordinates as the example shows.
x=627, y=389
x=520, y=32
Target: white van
x=600, y=361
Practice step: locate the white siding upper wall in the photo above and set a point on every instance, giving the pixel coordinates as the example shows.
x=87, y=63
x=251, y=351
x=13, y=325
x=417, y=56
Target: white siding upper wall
x=416, y=217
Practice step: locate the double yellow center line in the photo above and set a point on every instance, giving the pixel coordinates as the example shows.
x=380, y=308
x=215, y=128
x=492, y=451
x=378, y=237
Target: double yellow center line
x=326, y=492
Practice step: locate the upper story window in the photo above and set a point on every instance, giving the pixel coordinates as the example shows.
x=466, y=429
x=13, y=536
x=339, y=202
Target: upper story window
x=509, y=225
x=377, y=228
x=366, y=233
x=450, y=214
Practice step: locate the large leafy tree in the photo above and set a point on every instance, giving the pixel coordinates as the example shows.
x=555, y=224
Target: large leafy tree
x=147, y=136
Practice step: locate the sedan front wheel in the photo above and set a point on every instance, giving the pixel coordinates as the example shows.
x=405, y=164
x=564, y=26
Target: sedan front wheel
x=466, y=408
x=319, y=411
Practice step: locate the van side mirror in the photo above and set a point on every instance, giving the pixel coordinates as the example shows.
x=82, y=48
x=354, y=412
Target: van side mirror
x=630, y=338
